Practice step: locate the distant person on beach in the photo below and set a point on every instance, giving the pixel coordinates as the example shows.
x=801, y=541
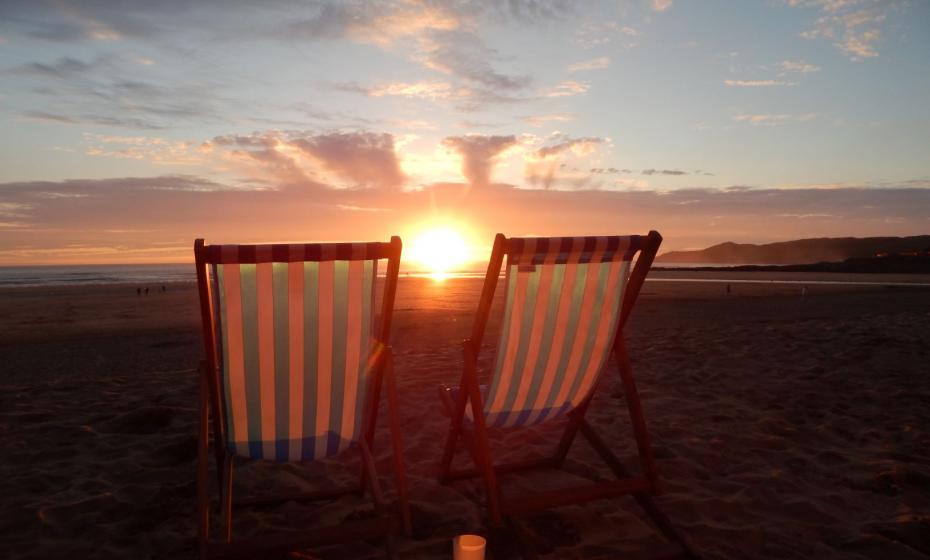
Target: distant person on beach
x=803, y=293
x=728, y=289
x=163, y=288
x=138, y=291
x=146, y=290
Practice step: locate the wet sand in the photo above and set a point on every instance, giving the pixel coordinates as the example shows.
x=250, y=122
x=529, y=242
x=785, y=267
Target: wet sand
x=784, y=427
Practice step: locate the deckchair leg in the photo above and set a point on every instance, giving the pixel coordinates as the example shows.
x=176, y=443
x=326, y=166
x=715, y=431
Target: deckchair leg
x=482, y=445
x=400, y=473
x=217, y=433
x=382, y=355
x=227, y=496
x=376, y=493
x=203, y=491
x=484, y=456
x=636, y=414
x=448, y=452
x=210, y=407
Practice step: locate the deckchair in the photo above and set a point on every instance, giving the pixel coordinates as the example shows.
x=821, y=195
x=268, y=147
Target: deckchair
x=293, y=372
x=567, y=301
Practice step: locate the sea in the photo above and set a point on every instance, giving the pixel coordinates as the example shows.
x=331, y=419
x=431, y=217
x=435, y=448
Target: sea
x=77, y=275
x=136, y=274
x=154, y=275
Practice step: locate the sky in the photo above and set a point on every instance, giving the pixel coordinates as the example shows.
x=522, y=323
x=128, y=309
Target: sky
x=131, y=128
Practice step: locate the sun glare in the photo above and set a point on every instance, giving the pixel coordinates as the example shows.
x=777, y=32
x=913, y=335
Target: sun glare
x=439, y=251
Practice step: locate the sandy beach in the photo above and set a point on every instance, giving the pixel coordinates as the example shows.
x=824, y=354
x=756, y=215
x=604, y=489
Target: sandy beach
x=784, y=427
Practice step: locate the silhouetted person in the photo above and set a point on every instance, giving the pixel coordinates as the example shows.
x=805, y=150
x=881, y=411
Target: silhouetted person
x=163, y=288
x=728, y=289
x=138, y=291
x=146, y=290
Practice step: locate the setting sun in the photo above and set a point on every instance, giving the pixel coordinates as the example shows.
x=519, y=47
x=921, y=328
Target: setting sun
x=439, y=251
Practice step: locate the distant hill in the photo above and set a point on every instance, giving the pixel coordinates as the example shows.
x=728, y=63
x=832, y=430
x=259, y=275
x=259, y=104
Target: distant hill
x=801, y=251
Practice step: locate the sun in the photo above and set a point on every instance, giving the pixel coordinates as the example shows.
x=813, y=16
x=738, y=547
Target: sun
x=439, y=251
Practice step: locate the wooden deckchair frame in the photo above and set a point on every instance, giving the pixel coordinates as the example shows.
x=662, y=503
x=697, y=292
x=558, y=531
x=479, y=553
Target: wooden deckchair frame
x=477, y=442
x=213, y=413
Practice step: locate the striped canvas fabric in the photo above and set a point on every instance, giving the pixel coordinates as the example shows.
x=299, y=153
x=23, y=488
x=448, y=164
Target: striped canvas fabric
x=295, y=344
x=562, y=308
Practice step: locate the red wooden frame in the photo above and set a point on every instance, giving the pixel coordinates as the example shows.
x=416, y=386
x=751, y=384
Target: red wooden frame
x=212, y=411
x=476, y=438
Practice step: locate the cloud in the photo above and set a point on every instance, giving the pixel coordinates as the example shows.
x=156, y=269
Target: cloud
x=661, y=5
x=464, y=55
x=798, y=66
x=442, y=37
x=479, y=154
x=774, y=120
x=157, y=150
x=379, y=23
x=422, y=90
x=599, y=33
x=567, y=89
x=854, y=26
x=664, y=172
x=365, y=158
x=158, y=217
x=563, y=163
x=412, y=90
x=102, y=92
x=65, y=67
x=756, y=83
x=593, y=64
x=578, y=146
x=464, y=98
x=361, y=159
x=540, y=120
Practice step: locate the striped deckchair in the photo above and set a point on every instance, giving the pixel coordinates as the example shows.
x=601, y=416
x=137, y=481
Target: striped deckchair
x=293, y=372
x=567, y=300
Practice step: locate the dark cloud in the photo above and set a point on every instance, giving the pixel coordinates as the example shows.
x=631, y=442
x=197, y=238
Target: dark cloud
x=64, y=67
x=127, y=217
x=74, y=21
x=568, y=144
x=441, y=36
x=98, y=92
x=664, y=172
x=90, y=118
x=464, y=55
x=478, y=154
x=69, y=20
